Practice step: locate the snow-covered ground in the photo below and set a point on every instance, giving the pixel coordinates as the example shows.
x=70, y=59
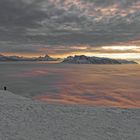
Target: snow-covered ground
x=25, y=119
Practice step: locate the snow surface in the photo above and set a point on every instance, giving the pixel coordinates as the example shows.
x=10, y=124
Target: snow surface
x=25, y=119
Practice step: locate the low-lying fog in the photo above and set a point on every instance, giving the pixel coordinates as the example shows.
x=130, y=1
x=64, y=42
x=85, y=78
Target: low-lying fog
x=104, y=85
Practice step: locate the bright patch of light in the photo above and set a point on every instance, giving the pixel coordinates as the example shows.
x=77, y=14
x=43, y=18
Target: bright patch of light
x=120, y=55
x=121, y=48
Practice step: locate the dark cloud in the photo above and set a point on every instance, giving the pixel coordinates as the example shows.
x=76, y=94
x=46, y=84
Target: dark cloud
x=16, y=13
x=67, y=22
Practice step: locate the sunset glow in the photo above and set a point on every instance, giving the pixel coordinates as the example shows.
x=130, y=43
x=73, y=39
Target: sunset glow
x=70, y=69
x=109, y=55
x=123, y=48
x=61, y=28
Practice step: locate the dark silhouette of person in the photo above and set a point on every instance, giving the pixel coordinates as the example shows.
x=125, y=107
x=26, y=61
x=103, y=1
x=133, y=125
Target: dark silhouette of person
x=5, y=88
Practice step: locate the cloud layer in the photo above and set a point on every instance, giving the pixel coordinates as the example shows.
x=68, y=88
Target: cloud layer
x=27, y=25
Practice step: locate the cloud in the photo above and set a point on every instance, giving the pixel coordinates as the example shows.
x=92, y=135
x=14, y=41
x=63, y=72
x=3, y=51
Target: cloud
x=67, y=23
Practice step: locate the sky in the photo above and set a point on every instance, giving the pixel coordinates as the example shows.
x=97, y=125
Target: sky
x=61, y=28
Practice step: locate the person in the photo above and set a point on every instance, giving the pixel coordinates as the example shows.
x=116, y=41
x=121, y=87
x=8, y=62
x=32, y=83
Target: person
x=5, y=88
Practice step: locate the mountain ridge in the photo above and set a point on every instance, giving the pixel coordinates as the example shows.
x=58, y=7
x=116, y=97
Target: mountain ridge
x=18, y=58
x=82, y=59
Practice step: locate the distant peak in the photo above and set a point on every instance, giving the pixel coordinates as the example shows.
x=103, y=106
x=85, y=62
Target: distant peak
x=46, y=56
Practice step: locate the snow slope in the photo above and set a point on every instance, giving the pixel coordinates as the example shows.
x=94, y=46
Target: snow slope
x=24, y=119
